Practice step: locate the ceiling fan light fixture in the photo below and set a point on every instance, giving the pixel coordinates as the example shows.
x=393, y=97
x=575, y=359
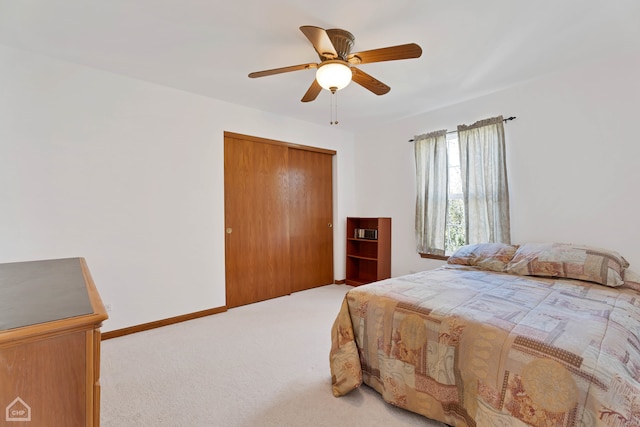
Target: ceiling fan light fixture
x=333, y=75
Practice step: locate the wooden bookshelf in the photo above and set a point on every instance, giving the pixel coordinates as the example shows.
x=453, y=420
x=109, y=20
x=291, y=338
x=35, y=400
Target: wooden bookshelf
x=368, y=250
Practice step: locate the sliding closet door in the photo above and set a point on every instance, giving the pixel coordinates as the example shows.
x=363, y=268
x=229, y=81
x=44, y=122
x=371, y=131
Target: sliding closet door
x=310, y=218
x=256, y=205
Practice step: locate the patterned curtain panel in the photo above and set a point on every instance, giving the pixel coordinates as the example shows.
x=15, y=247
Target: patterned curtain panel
x=431, y=192
x=484, y=181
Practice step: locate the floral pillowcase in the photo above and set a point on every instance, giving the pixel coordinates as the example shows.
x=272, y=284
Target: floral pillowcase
x=486, y=256
x=631, y=280
x=569, y=261
x=561, y=260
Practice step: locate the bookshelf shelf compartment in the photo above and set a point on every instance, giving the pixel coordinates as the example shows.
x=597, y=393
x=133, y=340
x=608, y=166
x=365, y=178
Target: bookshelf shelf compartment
x=362, y=257
x=368, y=259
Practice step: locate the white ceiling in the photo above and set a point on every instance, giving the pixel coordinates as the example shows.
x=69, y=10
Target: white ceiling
x=470, y=47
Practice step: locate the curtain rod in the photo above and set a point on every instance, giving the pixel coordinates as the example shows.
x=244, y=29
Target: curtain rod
x=454, y=131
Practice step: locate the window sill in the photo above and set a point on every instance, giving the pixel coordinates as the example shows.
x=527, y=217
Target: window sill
x=431, y=256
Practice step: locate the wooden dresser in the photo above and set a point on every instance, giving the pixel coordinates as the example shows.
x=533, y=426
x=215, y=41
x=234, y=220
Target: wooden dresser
x=50, y=318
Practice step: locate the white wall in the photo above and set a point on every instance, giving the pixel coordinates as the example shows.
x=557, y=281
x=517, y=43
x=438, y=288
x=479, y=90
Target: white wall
x=129, y=175
x=573, y=163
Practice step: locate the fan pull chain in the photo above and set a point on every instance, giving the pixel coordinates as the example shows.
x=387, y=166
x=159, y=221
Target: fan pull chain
x=334, y=107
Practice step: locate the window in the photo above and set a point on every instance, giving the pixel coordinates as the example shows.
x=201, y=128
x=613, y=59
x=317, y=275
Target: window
x=461, y=182
x=455, y=226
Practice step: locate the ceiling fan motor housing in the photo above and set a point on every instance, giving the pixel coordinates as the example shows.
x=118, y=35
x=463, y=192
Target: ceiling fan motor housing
x=342, y=41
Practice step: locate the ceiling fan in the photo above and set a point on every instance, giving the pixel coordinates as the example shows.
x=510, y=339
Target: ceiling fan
x=337, y=65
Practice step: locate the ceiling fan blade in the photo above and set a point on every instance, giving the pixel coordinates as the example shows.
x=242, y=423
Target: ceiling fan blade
x=282, y=70
x=320, y=41
x=392, y=53
x=312, y=92
x=368, y=82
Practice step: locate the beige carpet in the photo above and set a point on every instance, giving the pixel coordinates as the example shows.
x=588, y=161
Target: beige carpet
x=265, y=364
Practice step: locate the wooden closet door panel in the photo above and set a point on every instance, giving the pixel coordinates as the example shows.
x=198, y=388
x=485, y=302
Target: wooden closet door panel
x=311, y=219
x=257, y=221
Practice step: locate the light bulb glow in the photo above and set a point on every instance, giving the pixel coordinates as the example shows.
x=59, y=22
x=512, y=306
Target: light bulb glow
x=333, y=74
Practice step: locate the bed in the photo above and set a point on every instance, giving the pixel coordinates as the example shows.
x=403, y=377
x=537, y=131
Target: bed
x=540, y=334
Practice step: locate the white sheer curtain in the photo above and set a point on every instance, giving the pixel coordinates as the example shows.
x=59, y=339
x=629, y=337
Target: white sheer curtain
x=484, y=181
x=431, y=192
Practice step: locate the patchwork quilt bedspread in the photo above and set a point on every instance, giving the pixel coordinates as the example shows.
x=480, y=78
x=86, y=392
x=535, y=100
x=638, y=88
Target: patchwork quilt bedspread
x=478, y=348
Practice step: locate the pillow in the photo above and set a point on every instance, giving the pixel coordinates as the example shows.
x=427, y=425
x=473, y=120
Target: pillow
x=631, y=280
x=569, y=261
x=486, y=256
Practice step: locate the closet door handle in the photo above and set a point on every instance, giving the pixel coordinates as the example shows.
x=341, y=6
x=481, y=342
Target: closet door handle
x=229, y=230
x=330, y=225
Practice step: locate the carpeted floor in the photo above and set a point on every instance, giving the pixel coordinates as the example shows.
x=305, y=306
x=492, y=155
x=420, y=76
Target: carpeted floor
x=264, y=364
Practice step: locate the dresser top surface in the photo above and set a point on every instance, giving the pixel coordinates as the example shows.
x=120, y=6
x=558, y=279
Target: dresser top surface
x=34, y=292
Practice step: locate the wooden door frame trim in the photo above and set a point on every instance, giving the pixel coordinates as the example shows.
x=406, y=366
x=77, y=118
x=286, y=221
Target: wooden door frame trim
x=275, y=142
